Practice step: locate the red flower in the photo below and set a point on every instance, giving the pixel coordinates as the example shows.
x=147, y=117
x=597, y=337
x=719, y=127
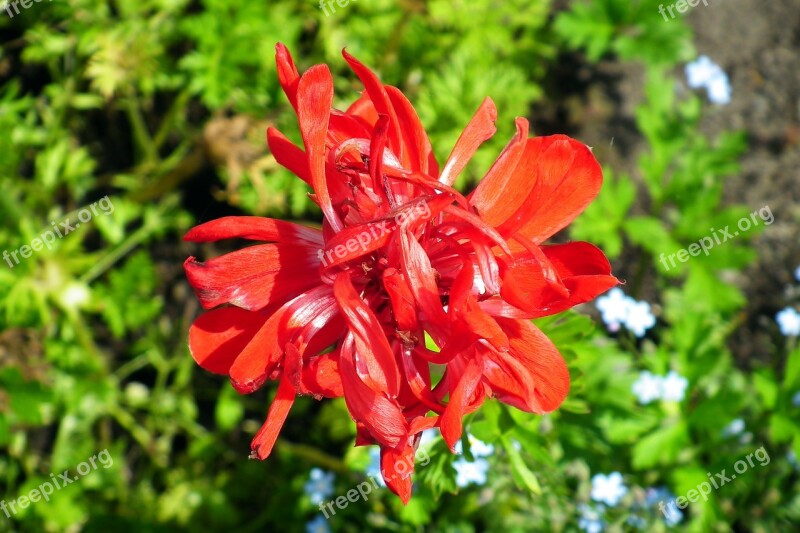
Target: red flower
x=343, y=311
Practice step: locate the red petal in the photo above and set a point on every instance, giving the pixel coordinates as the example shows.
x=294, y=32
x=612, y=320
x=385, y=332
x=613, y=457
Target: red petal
x=321, y=376
x=254, y=277
x=566, y=178
x=479, y=129
x=380, y=100
x=371, y=344
x=451, y=420
x=314, y=100
x=263, y=353
x=418, y=151
x=218, y=337
x=397, y=467
x=497, y=196
x=254, y=229
x=381, y=416
x=532, y=283
x=583, y=268
x=417, y=268
x=287, y=73
x=265, y=439
x=546, y=372
x=401, y=298
x=364, y=109
x=288, y=155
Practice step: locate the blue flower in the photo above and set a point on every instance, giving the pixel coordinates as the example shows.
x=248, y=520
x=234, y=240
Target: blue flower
x=701, y=72
x=471, y=472
x=640, y=318
x=797, y=273
x=672, y=515
x=613, y=308
x=318, y=525
x=788, y=320
x=608, y=489
x=617, y=309
x=477, y=447
x=647, y=388
x=736, y=427
x=319, y=486
x=705, y=74
x=429, y=435
x=673, y=387
x=591, y=519
x=636, y=521
x=719, y=91
x=796, y=399
x=654, y=497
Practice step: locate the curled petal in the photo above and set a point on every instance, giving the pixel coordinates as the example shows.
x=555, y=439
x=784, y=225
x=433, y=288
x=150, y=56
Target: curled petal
x=254, y=229
x=479, y=129
x=397, y=465
x=218, y=337
x=265, y=439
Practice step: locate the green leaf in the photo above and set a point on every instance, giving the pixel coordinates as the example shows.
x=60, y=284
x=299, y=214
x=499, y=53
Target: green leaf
x=661, y=447
x=230, y=409
x=523, y=476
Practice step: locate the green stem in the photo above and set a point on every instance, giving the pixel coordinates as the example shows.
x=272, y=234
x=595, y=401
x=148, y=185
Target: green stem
x=140, y=133
x=315, y=456
x=115, y=255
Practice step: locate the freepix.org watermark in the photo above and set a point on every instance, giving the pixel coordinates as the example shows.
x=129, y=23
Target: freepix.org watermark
x=46, y=489
x=61, y=229
x=717, y=480
x=682, y=6
x=403, y=467
x=25, y=4
x=707, y=243
x=324, y=5
x=420, y=210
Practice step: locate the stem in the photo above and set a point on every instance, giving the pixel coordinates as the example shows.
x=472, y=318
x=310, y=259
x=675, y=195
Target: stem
x=115, y=255
x=140, y=133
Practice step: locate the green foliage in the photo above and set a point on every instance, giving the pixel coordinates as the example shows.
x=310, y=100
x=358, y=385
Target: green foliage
x=631, y=29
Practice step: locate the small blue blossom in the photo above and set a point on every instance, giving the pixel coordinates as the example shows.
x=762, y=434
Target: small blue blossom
x=719, y=91
x=471, y=471
x=672, y=515
x=796, y=399
x=797, y=273
x=617, y=309
x=591, y=518
x=613, y=308
x=673, y=387
x=318, y=525
x=429, y=435
x=701, y=72
x=736, y=427
x=636, y=522
x=608, y=489
x=788, y=320
x=477, y=447
x=319, y=486
x=705, y=74
x=640, y=318
x=647, y=388
x=655, y=497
